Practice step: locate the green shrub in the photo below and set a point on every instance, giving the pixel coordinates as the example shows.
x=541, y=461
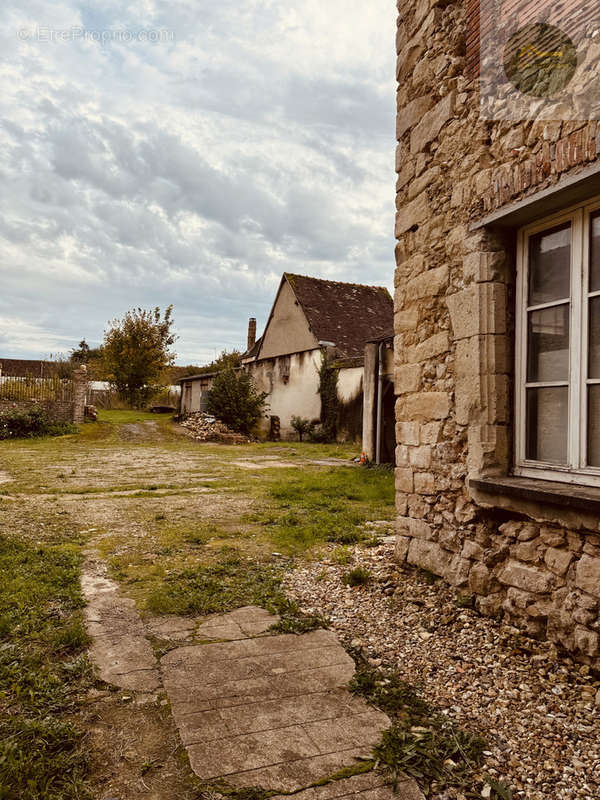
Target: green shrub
x=301, y=426
x=27, y=423
x=234, y=399
x=359, y=576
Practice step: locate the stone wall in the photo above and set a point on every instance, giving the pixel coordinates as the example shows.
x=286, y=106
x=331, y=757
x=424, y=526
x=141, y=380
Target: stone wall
x=454, y=345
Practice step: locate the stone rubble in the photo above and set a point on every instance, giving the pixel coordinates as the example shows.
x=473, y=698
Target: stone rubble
x=206, y=428
x=536, y=709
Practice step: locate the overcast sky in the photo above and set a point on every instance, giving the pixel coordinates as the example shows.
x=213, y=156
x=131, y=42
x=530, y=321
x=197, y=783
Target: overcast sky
x=253, y=137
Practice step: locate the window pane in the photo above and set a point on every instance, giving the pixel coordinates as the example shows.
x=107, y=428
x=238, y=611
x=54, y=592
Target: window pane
x=547, y=424
x=595, y=252
x=593, y=458
x=550, y=265
x=548, y=344
x=594, y=355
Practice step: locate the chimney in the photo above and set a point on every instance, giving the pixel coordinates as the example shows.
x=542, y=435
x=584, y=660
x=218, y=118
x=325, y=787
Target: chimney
x=251, y=333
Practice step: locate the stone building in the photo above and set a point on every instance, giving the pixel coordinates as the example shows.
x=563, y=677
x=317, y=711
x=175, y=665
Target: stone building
x=497, y=328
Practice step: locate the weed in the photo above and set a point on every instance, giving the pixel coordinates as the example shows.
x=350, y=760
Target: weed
x=41, y=752
x=342, y=556
x=465, y=601
x=421, y=742
x=359, y=576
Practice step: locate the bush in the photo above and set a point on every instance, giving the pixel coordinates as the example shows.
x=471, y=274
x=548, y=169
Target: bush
x=34, y=421
x=234, y=400
x=301, y=426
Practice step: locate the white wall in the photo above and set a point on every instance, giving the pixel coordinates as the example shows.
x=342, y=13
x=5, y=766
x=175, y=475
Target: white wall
x=349, y=383
x=298, y=396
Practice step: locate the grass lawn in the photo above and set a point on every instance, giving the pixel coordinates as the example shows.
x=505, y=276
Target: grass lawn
x=43, y=672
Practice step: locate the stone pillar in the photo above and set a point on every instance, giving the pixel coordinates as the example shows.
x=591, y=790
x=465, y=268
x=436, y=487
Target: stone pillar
x=369, y=400
x=79, y=393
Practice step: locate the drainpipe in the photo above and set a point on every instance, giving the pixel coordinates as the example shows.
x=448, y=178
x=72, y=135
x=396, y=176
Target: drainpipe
x=379, y=406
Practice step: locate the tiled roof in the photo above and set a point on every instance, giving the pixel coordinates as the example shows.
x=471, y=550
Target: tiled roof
x=23, y=367
x=346, y=314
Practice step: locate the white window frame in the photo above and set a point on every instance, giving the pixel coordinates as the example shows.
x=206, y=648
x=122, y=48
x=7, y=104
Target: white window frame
x=576, y=471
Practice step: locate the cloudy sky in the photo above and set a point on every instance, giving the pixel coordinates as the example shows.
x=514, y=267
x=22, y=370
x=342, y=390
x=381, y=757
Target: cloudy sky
x=188, y=152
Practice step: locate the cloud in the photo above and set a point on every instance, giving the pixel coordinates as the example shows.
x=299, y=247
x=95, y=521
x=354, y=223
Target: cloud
x=256, y=138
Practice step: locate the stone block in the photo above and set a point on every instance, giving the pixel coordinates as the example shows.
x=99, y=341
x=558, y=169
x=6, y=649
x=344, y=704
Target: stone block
x=406, y=320
x=480, y=267
x=427, y=406
x=558, y=560
x=430, y=432
x=404, y=479
x=424, y=483
x=527, y=578
x=408, y=432
x=421, y=183
x=402, y=456
x=527, y=533
x=420, y=457
x=430, y=283
x=407, y=378
x=478, y=309
x=458, y=571
x=432, y=123
x=586, y=641
x=424, y=351
x=587, y=576
x=401, y=549
x=479, y=579
x=552, y=537
x=473, y=550
x=481, y=355
x=526, y=551
x=412, y=214
x=415, y=528
x=429, y=555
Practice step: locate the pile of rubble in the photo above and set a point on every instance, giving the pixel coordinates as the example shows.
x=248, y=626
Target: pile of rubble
x=206, y=428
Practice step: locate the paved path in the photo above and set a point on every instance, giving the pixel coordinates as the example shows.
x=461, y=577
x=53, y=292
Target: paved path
x=273, y=711
x=252, y=710
x=120, y=649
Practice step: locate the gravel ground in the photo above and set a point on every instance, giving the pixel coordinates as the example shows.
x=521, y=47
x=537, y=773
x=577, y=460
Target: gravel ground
x=536, y=709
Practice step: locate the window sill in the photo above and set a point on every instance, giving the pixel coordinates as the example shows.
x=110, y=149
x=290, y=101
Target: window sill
x=532, y=490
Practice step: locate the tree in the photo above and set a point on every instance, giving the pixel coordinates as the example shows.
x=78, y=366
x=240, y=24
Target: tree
x=234, y=399
x=81, y=353
x=136, y=353
x=223, y=361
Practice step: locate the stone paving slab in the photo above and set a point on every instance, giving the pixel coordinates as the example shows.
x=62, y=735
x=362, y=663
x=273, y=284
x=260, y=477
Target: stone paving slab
x=369, y=786
x=274, y=711
x=207, y=725
x=120, y=649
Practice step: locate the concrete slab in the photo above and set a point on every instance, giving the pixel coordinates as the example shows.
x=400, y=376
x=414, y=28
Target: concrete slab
x=120, y=649
x=274, y=711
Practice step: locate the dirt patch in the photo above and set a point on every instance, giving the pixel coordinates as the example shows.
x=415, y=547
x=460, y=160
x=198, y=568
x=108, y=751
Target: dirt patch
x=135, y=749
x=5, y=477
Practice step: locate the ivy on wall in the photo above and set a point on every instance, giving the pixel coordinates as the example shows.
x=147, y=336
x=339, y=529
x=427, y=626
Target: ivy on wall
x=328, y=390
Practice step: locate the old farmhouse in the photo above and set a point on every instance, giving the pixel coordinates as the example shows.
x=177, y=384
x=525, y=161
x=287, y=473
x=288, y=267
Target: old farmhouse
x=312, y=318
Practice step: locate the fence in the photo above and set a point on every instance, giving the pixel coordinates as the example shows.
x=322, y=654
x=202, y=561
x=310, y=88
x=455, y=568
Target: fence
x=63, y=398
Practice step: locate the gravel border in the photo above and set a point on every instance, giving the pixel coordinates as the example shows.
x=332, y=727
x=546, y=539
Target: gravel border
x=538, y=710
